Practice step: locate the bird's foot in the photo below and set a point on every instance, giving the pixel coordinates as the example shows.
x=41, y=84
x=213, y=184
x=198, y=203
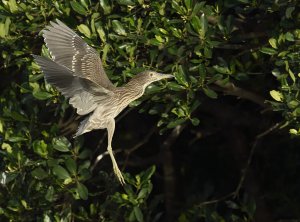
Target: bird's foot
x=118, y=173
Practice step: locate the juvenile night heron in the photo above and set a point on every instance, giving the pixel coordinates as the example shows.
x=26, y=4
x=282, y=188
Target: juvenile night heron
x=76, y=71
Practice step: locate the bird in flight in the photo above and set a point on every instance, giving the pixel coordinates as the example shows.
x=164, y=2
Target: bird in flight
x=76, y=71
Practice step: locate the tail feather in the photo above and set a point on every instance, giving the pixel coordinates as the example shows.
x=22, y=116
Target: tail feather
x=83, y=127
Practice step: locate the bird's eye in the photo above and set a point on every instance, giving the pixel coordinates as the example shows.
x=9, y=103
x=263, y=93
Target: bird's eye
x=151, y=74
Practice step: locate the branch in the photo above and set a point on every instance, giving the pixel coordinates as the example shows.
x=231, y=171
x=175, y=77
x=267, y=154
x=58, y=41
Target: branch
x=235, y=193
x=129, y=151
x=257, y=139
x=231, y=89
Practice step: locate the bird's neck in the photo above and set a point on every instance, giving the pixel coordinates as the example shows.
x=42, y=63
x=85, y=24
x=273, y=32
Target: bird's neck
x=134, y=89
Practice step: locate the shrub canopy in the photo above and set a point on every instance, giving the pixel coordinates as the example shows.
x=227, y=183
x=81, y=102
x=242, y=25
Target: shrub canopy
x=228, y=122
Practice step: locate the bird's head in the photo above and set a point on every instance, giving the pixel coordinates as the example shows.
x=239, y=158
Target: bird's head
x=147, y=77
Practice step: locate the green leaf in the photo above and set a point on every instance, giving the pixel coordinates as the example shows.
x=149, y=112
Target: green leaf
x=82, y=191
x=2, y=30
x=101, y=34
x=84, y=30
x=196, y=23
x=222, y=69
x=292, y=75
x=39, y=173
x=125, y=2
x=138, y=214
x=179, y=9
x=289, y=11
x=15, y=115
x=41, y=95
x=273, y=43
x=293, y=104
x=293, y=131
x=152, y=89
x=276, y=95
x=118, y=27
x=85, y=3
x=174, y=86
x=61, y=144
x=71, y=165
x=195, y=105
x=175, y=123
x=204, y=25
x=268, y=51
x=195, y=121
x=40, y=147
x=84, y=154
x=210, y=93
x=50, y=194
x=36, y=77
x=106, y=6
x=77, y=7
x=12, y=6
x=289, y=36
x=6, y=25
x=16, y=139
x=180, y=76
x=146, y=175
x=188, y=4
x=143, y=193
x=60, y=172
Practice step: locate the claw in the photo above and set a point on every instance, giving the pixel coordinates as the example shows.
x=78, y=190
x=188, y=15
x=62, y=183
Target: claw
x=119, y=174
x=115, y=167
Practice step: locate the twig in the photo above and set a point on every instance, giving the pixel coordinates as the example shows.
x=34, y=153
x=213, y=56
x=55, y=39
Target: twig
x=216, y=200
x=100, y=157
x=235, y=193
x=257, y=138
x=231, y=89
x=138, y=145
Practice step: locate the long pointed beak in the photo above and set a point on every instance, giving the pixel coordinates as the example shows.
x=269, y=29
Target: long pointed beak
x=165, y=76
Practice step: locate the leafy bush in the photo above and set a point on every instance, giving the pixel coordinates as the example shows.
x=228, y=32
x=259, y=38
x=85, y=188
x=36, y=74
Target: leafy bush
x=246, y=49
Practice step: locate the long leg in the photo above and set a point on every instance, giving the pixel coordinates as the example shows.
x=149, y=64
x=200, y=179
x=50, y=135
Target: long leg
x=110, y=133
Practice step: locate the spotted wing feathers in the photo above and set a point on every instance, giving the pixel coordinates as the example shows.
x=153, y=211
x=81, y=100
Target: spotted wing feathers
x=68, y=49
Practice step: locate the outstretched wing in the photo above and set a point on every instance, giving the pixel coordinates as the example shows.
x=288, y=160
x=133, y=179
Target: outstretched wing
x=69, y=50
x=84, y=94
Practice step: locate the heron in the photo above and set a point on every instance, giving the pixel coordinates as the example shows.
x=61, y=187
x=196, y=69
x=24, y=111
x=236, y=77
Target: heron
x=76, y=70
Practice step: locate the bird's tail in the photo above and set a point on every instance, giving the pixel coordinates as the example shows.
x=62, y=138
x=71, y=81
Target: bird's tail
x=83, y=127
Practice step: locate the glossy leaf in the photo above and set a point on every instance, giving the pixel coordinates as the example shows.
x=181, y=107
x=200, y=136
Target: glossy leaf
x=118, y=27
x=138, y=214
x=60, y=172
x=268, y=51
x=40, y=147
x=105, y=4
x=84, y=30
x=180, y=76
x=42, y=95
x=61, y=144
x=77, y=7
x=71, y=165
x=82, y=191
x=276, y=95
x=175, y=123
x=39, y=173
x=210, y=93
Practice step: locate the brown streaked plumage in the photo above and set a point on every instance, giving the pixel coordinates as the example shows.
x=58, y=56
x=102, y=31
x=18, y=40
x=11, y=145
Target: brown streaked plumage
x=76, y=71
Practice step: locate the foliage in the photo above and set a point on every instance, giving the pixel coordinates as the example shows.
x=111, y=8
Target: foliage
x=247, y=49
